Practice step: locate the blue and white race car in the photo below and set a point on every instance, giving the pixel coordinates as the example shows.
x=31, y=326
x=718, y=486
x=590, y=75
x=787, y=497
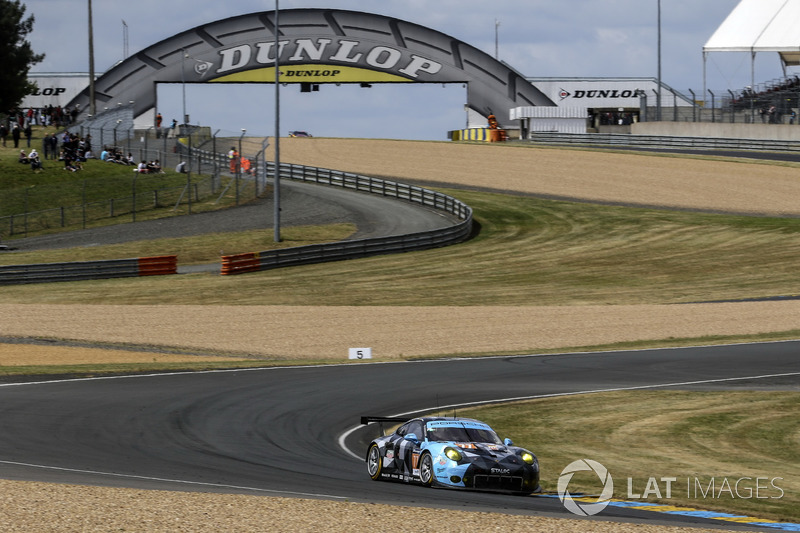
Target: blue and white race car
x=451, y=452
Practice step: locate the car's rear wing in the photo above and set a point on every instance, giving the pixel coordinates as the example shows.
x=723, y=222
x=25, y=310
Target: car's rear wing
x=381, y=420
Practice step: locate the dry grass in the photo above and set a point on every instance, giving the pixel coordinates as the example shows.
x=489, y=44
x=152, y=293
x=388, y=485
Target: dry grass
x=392, y=332
x=686, y=435
x=620, y=178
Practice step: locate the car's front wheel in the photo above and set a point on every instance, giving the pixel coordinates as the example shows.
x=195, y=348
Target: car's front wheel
x=374, y=462
x=426, y=469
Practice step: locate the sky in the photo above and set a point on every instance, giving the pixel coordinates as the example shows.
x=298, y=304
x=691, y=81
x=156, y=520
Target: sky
x=539, y=38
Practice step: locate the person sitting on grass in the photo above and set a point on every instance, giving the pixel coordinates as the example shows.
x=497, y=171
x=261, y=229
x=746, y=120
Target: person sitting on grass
x=155, y=167
x=70, y=162
x=36, y=164
x=23, y=157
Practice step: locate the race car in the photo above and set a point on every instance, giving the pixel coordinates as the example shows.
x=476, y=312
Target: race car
x=452, y=452
x=299, y=134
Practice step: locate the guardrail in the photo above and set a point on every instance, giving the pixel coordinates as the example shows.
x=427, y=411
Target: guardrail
x=83, y=270
x=659, y=141
x=336, y=251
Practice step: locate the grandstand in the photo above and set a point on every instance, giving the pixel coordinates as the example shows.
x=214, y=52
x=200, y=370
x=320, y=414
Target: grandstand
x=758, y=26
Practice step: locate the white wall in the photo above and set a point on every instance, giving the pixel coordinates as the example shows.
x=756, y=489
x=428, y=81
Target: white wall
x=778, y=132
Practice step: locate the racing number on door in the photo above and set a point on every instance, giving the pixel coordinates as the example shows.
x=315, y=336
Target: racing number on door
x=415, y=460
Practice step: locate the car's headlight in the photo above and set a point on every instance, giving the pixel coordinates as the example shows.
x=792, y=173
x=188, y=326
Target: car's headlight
x=528, y=458
x=452, y=454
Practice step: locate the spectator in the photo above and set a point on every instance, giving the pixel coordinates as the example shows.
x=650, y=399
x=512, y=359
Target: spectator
x=181, y=168
x=33, y=157
x=15, y=134
x=3, y=133
x=46, y=146
x=155, y=167
x=54, y=146
x=23, y=157
x=28, y=133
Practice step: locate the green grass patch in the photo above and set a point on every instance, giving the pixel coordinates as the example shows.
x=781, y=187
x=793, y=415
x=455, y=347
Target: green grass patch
x=529, y=251
x=102, y=193
x=190, y=250
x=154, y=366
x=700, y=438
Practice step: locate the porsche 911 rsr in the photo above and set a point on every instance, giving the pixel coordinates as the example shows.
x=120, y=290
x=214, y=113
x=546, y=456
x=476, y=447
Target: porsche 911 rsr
x=451, y=452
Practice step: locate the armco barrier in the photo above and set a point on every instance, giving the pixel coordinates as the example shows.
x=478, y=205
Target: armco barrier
x=664, y=142
x=83, y=270
x=335, y=251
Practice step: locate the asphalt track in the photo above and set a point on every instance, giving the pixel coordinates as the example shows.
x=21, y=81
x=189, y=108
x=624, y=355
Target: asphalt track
x=295, y=431
x=302, y=204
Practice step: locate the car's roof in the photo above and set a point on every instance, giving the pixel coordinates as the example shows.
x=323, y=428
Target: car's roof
x=451, y=421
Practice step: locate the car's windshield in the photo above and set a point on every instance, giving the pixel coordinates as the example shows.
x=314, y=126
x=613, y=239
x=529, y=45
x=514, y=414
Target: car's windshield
x=462, y=434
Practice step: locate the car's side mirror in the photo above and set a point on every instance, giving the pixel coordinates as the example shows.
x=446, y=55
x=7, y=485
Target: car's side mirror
x=508, y=442
x=412, y=437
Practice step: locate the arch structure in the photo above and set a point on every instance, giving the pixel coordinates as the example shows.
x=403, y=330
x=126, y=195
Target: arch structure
x=315, y=46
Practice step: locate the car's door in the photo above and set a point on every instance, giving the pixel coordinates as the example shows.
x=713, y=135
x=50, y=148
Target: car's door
x=406, y=448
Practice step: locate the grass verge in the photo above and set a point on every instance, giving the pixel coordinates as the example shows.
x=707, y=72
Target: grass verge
x=707, y=441
x=529, y=251
x=190, y=250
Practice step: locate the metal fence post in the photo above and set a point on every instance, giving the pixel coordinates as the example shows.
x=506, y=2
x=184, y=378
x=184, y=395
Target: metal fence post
x=643, y=106
x=732, y=106
x=713, y=105
x=133, y=197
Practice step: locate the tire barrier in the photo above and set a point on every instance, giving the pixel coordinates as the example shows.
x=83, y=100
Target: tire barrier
x=336, y=251
x=240, y=263
x=161, y=265
x=85, y=270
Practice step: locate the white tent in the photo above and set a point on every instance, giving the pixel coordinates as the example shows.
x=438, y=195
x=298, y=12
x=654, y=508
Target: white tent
x=759, y=26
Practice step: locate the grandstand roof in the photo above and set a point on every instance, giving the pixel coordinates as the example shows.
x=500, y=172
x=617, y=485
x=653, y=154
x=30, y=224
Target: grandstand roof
x=760, y=26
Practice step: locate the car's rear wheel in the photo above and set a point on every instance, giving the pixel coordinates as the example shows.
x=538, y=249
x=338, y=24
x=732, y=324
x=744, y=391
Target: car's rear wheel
x=374, y=462
x=426, y=469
